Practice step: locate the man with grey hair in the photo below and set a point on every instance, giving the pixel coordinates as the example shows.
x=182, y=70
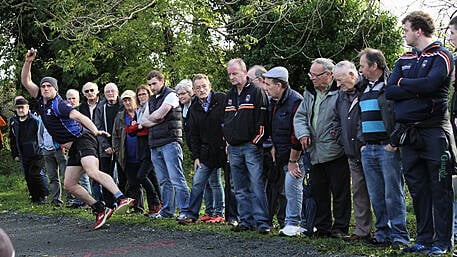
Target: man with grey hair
x=244, y=129
x=104, y=116
x=330, y=172
x=73, y=202
x=255, y=75
x=348, y=134
x=90, y=92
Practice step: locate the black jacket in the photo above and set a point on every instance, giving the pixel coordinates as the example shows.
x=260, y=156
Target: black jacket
x=24, y=144
x=246, y=116
x=346, y=123
x=84, y=107
x=207, y=139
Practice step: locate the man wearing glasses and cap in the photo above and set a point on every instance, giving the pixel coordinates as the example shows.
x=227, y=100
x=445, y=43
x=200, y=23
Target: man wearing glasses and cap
x=77, y=132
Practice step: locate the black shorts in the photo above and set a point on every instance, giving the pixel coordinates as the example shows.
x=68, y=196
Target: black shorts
x=86, y=145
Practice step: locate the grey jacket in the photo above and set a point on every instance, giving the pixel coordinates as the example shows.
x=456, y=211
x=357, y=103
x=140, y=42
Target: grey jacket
x=324, y=147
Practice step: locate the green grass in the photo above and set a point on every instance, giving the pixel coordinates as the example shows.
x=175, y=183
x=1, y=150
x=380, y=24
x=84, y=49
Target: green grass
x=14, y=198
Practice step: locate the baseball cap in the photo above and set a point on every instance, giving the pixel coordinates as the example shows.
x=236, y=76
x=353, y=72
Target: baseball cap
x=128, y=94
x=279, y=72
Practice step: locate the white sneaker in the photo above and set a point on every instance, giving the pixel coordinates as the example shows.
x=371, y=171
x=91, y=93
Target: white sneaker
x=289, y=230
x=302, y=230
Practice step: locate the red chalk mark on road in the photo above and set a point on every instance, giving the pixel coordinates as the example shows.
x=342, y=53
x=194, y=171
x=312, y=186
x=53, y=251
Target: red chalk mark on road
x=126, y=249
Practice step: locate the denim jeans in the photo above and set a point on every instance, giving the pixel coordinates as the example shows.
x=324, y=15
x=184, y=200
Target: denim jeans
x=385, y=186
x=209, y=201
x=201, y=177
x=294, y=195
x=167, y=161
x=247, y=173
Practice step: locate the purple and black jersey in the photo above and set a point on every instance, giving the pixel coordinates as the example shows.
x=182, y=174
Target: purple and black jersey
x=56, y=118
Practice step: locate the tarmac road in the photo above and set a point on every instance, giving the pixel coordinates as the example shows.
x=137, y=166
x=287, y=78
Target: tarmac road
x=35, y=235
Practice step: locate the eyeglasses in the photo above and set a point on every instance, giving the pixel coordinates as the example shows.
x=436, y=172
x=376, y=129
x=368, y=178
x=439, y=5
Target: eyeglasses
x=313, y=76
x=142, y=94
x=89, y=90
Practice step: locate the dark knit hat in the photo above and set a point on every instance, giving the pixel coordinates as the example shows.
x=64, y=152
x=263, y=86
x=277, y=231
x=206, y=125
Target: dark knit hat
x=21, y=101
x=51, y=81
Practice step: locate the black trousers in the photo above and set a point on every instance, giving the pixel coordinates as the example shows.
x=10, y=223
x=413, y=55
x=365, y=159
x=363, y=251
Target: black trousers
x=35, y=184
x=330, y=187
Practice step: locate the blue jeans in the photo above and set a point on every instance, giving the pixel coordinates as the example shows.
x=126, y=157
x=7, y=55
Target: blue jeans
x=294, y=195
x=246, y=164
x=209, y=201
x=385, y=186
x=167, y=161
x=202, y=176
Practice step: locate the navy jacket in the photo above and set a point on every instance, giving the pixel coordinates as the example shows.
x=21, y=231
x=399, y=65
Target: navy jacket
x=419, y=84
x=282, y=114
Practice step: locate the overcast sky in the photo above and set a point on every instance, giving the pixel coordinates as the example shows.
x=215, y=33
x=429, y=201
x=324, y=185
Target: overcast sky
x=435, y=7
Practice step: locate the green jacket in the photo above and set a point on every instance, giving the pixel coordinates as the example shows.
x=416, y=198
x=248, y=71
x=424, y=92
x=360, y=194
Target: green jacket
x=324, y=146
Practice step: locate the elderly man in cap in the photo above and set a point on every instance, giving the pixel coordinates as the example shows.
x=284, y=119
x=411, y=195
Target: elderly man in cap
x=25, y=148
x=125, y=142
x=77, y=132
x=287, y=149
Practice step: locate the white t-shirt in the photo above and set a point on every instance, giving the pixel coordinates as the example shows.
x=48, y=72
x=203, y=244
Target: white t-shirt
x=172, y=99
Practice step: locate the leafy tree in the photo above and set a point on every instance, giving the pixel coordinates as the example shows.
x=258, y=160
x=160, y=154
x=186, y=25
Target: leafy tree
x=293, y=33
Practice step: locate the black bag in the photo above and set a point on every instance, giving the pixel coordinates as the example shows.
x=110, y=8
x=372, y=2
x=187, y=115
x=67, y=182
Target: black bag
x=309, y=206
x=406, y=135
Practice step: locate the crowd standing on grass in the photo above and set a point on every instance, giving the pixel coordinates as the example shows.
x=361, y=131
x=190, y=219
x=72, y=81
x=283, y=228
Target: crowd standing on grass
x=367, y=125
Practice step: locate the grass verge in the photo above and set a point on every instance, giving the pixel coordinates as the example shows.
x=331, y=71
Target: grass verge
x=14, y=198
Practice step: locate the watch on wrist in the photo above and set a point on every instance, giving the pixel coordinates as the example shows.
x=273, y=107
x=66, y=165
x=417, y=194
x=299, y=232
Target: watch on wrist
x=291, y=161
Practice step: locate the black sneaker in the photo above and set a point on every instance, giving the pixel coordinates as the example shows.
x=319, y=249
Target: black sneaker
x=186, y=221
x=240, y=228
x=372, y=241
x=398, y=245
x=264, y=230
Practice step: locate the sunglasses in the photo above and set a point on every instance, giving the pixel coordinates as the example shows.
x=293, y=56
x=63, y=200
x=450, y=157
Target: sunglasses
x=89, y=90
